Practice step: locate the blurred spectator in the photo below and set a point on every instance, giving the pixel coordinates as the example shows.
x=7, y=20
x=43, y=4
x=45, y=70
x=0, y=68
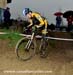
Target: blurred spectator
x=58, y=21
x=70, y=20
x=7, y=16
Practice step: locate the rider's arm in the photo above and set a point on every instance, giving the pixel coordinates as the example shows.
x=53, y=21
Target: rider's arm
x=31, y=23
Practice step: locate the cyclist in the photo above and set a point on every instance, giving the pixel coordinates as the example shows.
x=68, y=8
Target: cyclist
x=37, y=20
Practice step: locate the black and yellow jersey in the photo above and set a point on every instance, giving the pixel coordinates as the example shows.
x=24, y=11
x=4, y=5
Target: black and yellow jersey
x=37, y=19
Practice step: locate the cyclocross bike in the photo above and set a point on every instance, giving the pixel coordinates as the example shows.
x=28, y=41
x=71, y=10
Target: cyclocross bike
x=26, y=47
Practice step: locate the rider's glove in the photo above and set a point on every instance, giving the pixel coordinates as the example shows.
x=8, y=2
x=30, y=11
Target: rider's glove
x=44, y=31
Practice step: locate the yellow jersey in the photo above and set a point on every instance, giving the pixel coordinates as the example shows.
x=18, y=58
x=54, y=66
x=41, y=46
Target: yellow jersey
x=37, y=19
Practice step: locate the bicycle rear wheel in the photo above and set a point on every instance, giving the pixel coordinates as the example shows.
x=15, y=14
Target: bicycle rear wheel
x=25, y=49
x=43, y=48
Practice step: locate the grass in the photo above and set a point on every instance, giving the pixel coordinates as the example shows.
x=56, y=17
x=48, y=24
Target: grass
x=11, y=36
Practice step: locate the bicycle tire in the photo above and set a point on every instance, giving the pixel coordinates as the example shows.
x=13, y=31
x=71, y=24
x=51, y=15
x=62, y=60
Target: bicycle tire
x=30, y=55
x=43, y=48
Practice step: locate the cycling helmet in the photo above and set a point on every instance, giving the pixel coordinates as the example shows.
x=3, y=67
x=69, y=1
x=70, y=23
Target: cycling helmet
x=26, y=11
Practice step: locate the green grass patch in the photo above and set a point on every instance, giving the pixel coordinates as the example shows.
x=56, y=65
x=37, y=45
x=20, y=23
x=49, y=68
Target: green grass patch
x=12, y=37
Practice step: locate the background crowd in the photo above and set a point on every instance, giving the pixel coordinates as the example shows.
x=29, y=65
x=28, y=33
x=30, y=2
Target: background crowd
x=7, y=22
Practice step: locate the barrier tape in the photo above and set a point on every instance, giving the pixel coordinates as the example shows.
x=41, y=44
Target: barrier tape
x=38, y=36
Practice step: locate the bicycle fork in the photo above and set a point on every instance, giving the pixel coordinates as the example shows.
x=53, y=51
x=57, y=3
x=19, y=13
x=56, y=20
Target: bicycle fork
x=29, y=42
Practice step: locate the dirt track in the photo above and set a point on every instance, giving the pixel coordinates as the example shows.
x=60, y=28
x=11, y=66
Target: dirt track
x=59, y=61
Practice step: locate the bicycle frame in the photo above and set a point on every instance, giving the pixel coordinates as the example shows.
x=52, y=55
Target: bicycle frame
x=31, y=39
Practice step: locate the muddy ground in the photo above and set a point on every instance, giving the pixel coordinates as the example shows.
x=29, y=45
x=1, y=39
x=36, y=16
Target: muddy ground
x=58, y=62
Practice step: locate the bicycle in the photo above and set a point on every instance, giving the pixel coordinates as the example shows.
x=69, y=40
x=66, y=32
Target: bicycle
x=26, y=46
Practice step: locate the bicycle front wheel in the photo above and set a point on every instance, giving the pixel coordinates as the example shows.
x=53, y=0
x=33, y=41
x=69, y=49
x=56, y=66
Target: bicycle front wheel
x=25, y=49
